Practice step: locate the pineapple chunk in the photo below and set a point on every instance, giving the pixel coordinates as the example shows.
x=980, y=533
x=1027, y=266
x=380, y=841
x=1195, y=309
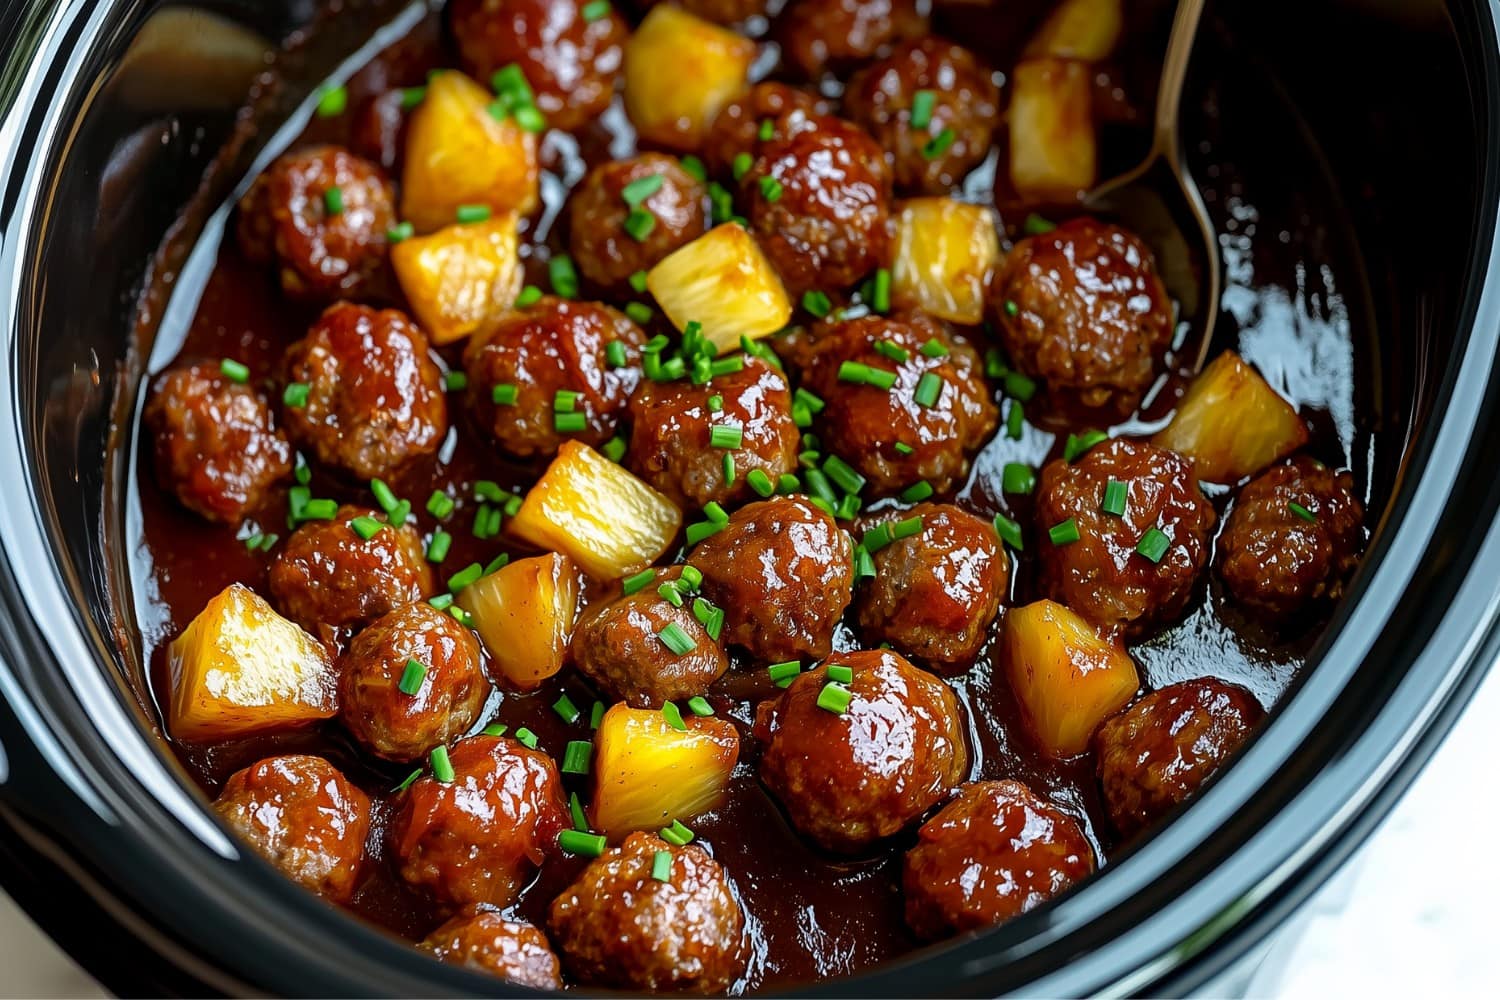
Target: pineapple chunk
x=1231, y=423
x=1052, y=149
x=461, y=279
x=945, y=252
x=648, y=774
x=723, y=281
x=524, y=612
x=605, y=519
x=1078, y=29
x=457, y=153
x=680, y=71
x=239, y=668
x=1067, y=677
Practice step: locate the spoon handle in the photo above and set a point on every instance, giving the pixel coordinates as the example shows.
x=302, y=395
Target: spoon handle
x=1174, y=75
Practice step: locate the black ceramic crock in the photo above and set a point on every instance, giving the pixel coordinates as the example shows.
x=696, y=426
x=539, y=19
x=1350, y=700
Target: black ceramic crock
x=111, y=114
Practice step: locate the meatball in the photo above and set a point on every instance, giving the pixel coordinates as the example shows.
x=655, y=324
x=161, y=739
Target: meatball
x=216, y=443
x=671, y=423
x=321, y=216
x=605, y=252
x=1156, y=753
x=450, y=688
x=966, y=104
x=478, y=838
x=781, y=571
x=893, y=440
x=847, y=779
x=830, y=36
x=935, y=593
x=375, y=396
x=1104, y=575
x=619, y=926
x=1293, y=536
x=737, y=127
x=305, y=817
x=570, y=62
x=994, y=852
x=818, y=197
x=486, y=941
x=331, y=581
x=1082, y=309
x=554, y=346
x=616, y=646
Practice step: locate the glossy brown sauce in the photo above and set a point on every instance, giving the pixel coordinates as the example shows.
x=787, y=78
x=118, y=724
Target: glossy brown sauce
x=811, y=916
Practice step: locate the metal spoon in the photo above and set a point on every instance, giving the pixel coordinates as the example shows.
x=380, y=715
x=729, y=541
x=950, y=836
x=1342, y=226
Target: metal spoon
x=1159, y=201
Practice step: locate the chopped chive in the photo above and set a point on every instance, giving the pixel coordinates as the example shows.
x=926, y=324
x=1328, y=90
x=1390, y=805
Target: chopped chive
x=638, y=582
x=917, y=492
x=461, y=616
x=467, y=214
x=504, y=394
x=938, y=144
x=726, y=436
x=760, y=482
x=848, y=508
x=669, y=593
x=673, y=715
x=1017, y=477
x=496, y=729
x=844, y=476
x=699, y=706
x=1015, y=420
x=877, y=538
x=922, y=103
x=465, y=577
x=510, y=82
x=575, y=808
x=497, y=563
x=675, y=639
x=787, y=483
x=566, y=710
x=614, y=448
x=729, y=470
x=902, y=448
x=840, y=673
x=1064, y=532
x=320, y=510
x=234, y=371
x=530, y=296
x=564, y=278
x=700, y=530
x=1011, y=309
x=1009, y=531
x=726, y=366
x=596, y=715
x=929, y=388
x=412, y=677
x=442, y=767
x=638, y=282
x=834, y=698
x=488, y=489
x=570, y=423
x=994, y=364
x=333, y=201
x=864, y=565
x=640, y=314
x=817, y=303
x=692, y=577
x=1154, y=544
x=412, y=96
x=576, y=757
x=907, y=527
x=661, y=866
x=1302, y=512
x=1078, y=444
x=880, y=291
x=332, y=101
x=677, y=835
x=695, y=169
x=820, y=488
x=709, y=616
x=715, y=512
x=639, y=224
x=526, y=738
x=482, y=523
x=437, y=549
x=770, y=188
x=934, y=348
x=585, y=845
x=440, y=602
x=595, y=10
x=384, y=497
x=741, y=165
x=1036, y=225
x=1019, y=386
x=715, y=403
x=295, y=395
x=721, y=203
x=410, y=780
x=440, y=504
x=565, y=400
x=767, y=130
x=892, y=350
x=366, y=527
x=531, y=120
x=399, y=513
x=399, y=232
x=784, y=673
x=1114, y=498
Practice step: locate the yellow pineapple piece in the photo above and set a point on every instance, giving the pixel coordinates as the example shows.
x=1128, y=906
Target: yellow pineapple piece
x=680, y=71
x=723, y=281
x=524, y=613
x=647, y=773
x=945, y=253
x=1053, y=153
x=461, y=279
x=1079, y=29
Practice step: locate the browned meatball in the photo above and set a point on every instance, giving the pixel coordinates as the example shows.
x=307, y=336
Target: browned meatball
x=217, y=446
x=479, y=837
x=1156, y=753
x=728, y=12
x=449, y=693
x=994, y=852
x=571, y=62
x=375, y=396
x=330, y=581
x=781, y=571
x=737, y=127
x=830, y=36
x=616, y=646
x=1103, y=576
x=965, y=103
x=551, y=347
x=1082, y=309
x=486, y=941
x=619, y=926
x=671, y=423
x=321, y=216
x=848, y=779
x=935, y=593
x=864, y=424
x=605, y=252
x=1276, y=558
x=305, y=817
x=380, y=129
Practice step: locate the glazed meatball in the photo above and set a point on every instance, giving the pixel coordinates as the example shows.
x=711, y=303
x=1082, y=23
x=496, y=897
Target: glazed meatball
x=450, y=691
x=1292, y=538
x=553, y=346
x=1156, y=753
x=486, y=941
x=847, y=779
x=616, y=646
x=727, y=12
x=818, y=197
x=478, y=838
x=331, y=581
x=994, y=852
x=737, y=127
x=320, y=215
x=829, y=36
x=375, y=397
x=935, y=593
x=305, y=817
x=619, y=926
x=570, y=61
x=671, y=423
x=966, y=103
x=1082, y=309
x=781, y=571
x=1103, y=575
x=605, y=252
x=864, y=424
x=216, y=443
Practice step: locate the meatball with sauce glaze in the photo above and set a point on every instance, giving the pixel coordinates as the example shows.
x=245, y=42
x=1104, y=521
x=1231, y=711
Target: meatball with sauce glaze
x=994, y=852
x=604, y=250
x=1102, y=575
x=479, y=837
x=829, y=36
x=304, y=817
x=619, y=926
x=736, y=129
x=485, y=941
x=1155, y=754
x=216, y=444
x=847, y=779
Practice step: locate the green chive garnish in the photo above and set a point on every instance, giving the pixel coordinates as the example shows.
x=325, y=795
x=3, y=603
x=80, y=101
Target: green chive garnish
x=741, y=165
x=1154, y=544
x=675, y=639
x=929, y=388
x=726, y=436
x=917, y=492
x=639, y=224
x=1114, y=498
x=566, y=710
x=1009, y=531
x=504, y=394
x=1064, y=533
x=366, y=527
x=526, y=738
x=530, y=296
x=784, y=673
x=234, y=371
x=576, y=757
x=1078, y=444
x=442, y=768
x=437, y=549
x=586, y=845
x=400, y=231
x=841, y=673
x=295, y=395
x=641, y=188
x=412, y=677
x=661, y=866
x=467, y=214
x=1302, y=512
x=564, y=278
x=699, y=706
x=1017, y=477
x=638, y=582
x=332, y=101
x=938, y=144
x=834, y=698
x=673, y=715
